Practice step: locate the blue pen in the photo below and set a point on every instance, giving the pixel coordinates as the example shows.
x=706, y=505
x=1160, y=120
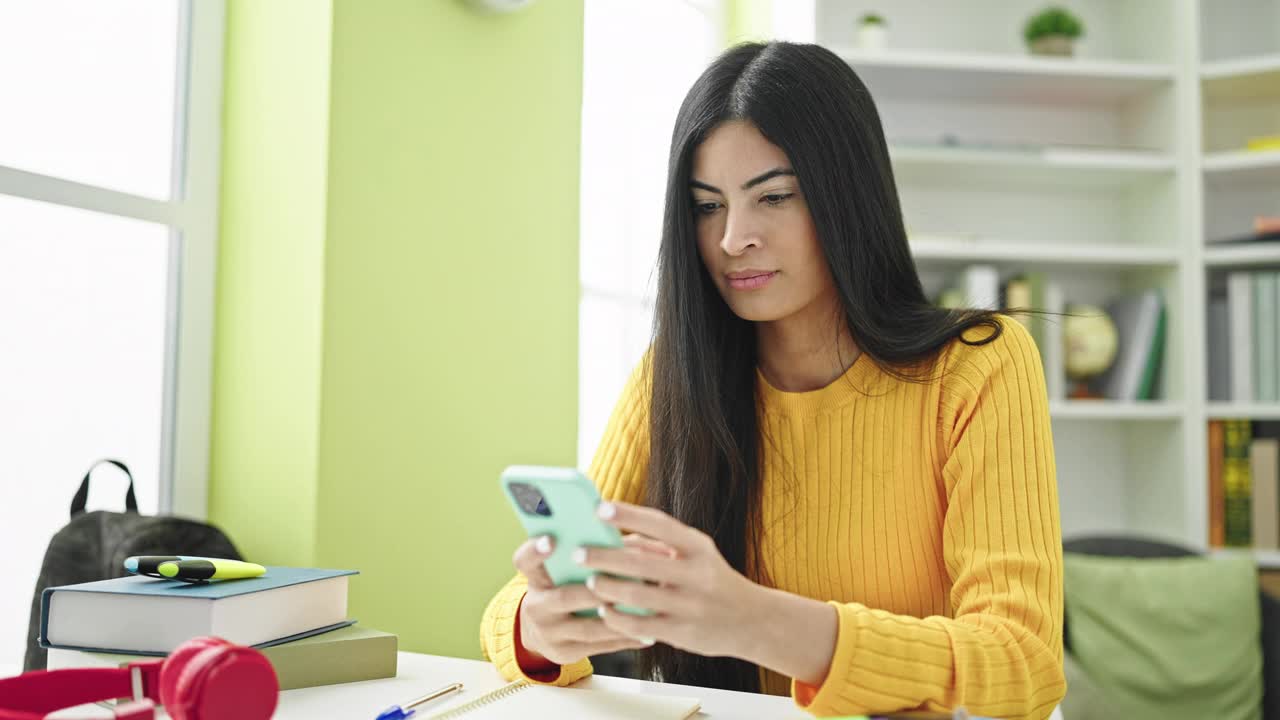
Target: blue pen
x=396, y=712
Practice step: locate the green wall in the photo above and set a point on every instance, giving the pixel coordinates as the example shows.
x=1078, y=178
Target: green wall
x=432, y=320
x=270, y=280
x=748, y=20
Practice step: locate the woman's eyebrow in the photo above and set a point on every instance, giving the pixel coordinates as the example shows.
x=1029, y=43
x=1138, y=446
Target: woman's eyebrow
x=748, y=184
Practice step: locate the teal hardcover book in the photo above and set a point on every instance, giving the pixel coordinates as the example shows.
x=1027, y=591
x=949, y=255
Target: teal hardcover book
x=151, y=616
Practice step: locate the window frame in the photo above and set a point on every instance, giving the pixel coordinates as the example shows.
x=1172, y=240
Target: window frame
x=191, y=214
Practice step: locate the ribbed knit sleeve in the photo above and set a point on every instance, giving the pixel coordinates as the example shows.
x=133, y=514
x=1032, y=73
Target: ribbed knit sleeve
x=619, y=469
x=1000, y=652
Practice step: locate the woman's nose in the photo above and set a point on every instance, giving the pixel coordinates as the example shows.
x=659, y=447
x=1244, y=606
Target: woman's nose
x=740, y=233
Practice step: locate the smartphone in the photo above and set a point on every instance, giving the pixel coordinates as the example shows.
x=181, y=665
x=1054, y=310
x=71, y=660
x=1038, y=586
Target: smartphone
x=561, y=502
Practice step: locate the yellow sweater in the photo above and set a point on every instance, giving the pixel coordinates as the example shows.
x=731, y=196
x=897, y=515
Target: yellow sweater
x=927, y=514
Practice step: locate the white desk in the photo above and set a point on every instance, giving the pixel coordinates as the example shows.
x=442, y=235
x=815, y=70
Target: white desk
x=420, y=674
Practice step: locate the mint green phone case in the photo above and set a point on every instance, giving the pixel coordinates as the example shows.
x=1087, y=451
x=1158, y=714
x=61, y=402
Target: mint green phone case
x=571, y=499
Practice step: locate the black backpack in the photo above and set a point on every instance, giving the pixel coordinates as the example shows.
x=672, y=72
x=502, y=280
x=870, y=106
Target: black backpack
x=93, y=546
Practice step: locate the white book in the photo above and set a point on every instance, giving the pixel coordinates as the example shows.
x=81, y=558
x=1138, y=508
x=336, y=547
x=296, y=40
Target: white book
x=1265, y=505
x=1264, y=338
x=1055, y=361
x=1240, y=309
x=982, y=287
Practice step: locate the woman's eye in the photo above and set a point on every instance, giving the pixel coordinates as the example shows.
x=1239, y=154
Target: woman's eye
x=707, y=208
x=776, y=198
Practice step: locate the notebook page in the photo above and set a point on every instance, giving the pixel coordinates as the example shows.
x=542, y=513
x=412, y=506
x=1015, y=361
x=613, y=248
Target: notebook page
x=523, y=700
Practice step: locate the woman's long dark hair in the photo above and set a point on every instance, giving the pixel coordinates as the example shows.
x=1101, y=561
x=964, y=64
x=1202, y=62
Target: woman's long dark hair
x=705, y=445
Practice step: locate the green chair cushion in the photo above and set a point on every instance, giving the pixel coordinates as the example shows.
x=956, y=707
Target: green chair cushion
x=1166, y=638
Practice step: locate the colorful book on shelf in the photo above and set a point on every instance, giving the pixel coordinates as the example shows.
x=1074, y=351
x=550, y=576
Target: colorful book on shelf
x=1217, y=495
x=348, y=654
x=152, y=616
x=1237, y=484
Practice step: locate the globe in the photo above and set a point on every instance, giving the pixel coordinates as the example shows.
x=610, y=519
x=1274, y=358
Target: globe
x=1090, y=341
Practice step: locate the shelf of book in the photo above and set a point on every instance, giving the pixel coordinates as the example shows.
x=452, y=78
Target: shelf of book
x=1095, y=178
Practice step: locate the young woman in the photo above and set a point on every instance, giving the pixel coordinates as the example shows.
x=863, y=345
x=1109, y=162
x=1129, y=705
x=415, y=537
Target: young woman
x=835, y=488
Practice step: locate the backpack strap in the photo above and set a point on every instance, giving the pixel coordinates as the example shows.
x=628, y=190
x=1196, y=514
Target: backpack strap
x=82, y=495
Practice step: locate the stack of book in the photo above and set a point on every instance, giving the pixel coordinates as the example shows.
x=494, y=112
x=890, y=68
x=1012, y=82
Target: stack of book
x=297, y=618
x=1244, y=484
x=1140, y=321
x=1244, y=339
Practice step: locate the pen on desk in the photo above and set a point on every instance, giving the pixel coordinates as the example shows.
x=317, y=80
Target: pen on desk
x=209, y=569
x=397, y=712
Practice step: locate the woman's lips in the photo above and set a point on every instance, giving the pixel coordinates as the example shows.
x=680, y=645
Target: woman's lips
x=751, y=282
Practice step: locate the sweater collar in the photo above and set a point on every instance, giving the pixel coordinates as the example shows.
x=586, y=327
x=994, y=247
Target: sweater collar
x=855, y=382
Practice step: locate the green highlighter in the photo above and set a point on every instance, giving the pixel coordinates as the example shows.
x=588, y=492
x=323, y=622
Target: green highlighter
x=209, y=569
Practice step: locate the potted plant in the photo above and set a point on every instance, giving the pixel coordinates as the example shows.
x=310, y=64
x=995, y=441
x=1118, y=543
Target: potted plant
x=873, y=32
x=1053, y=31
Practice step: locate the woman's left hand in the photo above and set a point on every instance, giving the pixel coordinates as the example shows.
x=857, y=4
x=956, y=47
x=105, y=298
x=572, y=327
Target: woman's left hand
x=701, y=603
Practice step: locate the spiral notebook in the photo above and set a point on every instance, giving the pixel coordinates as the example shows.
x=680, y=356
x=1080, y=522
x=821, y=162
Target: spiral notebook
x=527, y=700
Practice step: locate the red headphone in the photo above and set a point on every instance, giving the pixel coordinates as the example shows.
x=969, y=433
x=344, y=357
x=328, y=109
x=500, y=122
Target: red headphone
x=206, y=678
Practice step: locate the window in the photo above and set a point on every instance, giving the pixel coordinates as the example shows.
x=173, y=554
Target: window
x=639, y=59
x=108, y=218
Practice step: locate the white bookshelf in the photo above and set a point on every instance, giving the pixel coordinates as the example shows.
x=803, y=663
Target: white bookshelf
x=978, y=249
x=1242, y=167
x=1242, y=256
x=1110, y=172
x=1002, y=77
x=1051, y=167
x=1248, y=411
x=1103, y=410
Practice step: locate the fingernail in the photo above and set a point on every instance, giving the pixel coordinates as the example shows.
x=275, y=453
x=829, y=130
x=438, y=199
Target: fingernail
x=606, y=510
x=646, y=640
x=580, y=555
x=543, y=545
x=591, y=583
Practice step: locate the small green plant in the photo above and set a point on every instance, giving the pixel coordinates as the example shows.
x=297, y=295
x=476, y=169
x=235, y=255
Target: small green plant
x=872, y=19
x=1053, y=21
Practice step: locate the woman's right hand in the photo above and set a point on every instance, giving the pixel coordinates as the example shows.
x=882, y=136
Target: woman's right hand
x=548, y=627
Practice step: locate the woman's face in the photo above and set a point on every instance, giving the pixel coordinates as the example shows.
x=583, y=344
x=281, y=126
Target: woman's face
x=755, y=235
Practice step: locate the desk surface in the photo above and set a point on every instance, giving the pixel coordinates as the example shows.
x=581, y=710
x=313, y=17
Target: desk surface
x=420, y=674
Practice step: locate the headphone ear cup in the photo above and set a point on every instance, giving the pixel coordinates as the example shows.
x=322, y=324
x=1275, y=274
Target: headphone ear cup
x=180, y=658
x=223, y=682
